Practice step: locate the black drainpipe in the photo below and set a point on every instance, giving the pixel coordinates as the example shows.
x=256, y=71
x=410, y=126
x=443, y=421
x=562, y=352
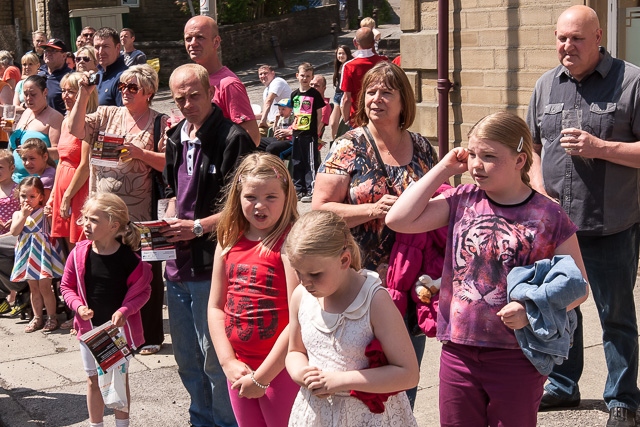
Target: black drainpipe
x=444, y=84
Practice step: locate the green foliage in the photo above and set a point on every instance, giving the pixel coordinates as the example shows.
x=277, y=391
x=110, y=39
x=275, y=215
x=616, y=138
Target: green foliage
x=236, y=11
x=384, y=11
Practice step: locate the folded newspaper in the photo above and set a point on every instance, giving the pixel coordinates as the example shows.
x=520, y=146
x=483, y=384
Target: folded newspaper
x=108, y=346
x=154, y=246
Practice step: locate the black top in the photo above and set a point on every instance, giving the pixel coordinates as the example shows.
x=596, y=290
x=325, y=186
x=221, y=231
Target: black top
x=106, y=281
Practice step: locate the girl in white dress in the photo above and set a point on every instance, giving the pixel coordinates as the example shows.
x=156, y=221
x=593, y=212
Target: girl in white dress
x=336, y=313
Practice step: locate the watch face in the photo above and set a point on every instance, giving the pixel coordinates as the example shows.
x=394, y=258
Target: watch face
x=197, y=229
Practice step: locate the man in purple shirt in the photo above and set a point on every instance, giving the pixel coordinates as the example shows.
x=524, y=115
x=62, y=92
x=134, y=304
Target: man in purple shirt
x=202, y=152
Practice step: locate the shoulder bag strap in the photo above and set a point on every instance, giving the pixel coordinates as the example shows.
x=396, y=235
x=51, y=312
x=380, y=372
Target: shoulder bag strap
x=383, y=169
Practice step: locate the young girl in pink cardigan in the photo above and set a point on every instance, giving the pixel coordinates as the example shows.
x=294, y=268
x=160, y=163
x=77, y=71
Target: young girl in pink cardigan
x=119, y=286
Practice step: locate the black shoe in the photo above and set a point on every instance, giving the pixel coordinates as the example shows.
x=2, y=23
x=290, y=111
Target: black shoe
x=301, y=194
x=621, y=417
x=551, y=402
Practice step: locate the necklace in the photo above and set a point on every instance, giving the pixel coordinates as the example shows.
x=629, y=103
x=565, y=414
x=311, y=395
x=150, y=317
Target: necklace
x=395, y=146
x=136, y=121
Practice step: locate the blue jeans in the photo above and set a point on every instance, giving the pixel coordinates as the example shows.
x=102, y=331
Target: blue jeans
x=612, y=265
x=198, y=365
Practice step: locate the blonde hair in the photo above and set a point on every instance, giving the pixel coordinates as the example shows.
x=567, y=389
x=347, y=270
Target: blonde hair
x=322, y=233
x=368, y=22
x=196, y=70
x=233, y=224
x=30, y=58
x=147, y=78
x=91, y=52
x=73, y=80
x=510, y=131
x=7, y=156
x=393, y=77
x=116, y=211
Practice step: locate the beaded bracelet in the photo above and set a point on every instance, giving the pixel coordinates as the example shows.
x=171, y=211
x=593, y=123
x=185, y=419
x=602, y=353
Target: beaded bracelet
x=264, y=387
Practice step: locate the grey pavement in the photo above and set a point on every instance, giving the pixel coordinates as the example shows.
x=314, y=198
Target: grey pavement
x=42, y=382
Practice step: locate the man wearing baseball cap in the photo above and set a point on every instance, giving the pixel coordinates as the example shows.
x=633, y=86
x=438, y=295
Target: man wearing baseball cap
x=55, y=67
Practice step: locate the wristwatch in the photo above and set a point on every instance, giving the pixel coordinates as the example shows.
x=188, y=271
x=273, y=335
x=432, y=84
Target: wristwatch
x=197, y=228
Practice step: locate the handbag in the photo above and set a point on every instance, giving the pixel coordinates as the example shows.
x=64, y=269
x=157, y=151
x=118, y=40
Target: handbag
x=158, y=184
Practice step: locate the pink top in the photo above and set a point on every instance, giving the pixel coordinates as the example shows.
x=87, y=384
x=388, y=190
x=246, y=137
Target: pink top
x=231, y=96
x=73, y=291
x=8, y=205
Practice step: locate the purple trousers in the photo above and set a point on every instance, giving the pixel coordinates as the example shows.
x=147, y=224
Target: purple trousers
x=482, y=387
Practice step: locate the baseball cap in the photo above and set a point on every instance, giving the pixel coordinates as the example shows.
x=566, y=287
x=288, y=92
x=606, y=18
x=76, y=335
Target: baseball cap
x=285, y=102
x=56, y=44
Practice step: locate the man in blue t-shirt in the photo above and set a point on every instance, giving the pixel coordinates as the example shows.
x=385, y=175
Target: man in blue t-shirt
x=106, y=42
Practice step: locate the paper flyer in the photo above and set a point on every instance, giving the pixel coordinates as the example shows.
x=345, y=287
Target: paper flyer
x=153, y=244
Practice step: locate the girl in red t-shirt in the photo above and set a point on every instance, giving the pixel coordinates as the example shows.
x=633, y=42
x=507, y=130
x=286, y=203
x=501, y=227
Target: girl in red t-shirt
x=248, y=304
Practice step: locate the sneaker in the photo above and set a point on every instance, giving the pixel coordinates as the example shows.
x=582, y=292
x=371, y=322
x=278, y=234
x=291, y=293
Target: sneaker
x=4, y=306
x=301, y=195
x=35, y=325
x=307, y=199
x=18, y=308
x=621, y=417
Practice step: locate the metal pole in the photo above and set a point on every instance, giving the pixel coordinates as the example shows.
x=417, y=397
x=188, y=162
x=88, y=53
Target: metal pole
x=204, y=7
x=444, y=85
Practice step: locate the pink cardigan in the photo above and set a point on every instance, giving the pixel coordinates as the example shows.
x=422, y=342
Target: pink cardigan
x=411, y=256
x=74, y=293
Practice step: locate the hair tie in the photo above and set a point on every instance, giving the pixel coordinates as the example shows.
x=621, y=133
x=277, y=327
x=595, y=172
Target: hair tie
x=278, y=176
x=519, y=149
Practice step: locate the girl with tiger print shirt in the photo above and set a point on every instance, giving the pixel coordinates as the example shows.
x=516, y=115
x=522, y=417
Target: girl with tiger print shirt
x=495, y=225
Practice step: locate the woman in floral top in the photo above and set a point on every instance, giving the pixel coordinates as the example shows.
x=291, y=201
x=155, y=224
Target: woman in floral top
x=352, y=183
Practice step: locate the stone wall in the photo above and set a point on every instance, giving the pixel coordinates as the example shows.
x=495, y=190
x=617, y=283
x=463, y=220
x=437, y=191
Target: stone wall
x=242, y=42
x=497, y=51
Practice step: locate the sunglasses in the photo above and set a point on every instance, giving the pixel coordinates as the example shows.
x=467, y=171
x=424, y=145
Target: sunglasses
x=82, y=59
x=87, y=35
x=131, y=87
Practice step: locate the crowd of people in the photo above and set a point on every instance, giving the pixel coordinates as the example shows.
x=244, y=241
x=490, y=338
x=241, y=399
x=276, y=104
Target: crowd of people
x=322, y=319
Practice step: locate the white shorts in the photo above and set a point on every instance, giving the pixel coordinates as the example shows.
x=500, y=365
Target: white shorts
x=89, y=362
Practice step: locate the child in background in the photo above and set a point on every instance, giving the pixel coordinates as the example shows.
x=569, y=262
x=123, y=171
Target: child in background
x=248, y=319
x=319, y=83
x=343, y=54
x=307, y=105
x=8, y=201
x=8, y=205
x=495, y=225
x=37, y=259
x=104, y=279
x=371, y=23
x=35, y=157
x=334, y=316
x=280, y=143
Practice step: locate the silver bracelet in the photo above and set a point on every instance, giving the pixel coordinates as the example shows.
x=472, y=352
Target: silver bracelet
x=264, y=387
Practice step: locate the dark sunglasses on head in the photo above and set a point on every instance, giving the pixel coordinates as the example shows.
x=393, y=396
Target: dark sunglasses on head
x=82, y=59
x=131, y=87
